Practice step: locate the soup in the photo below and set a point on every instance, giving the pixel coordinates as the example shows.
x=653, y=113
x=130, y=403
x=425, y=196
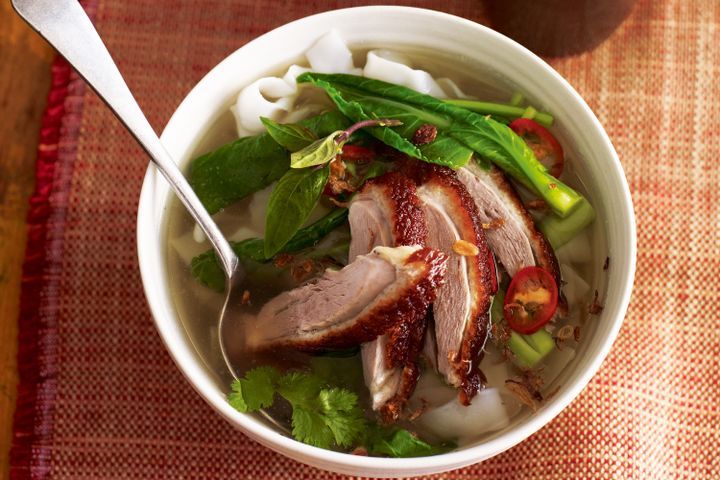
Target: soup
x=432, y=411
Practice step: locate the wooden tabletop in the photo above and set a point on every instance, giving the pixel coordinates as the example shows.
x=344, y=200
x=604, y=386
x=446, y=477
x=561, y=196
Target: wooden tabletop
x=24, y=82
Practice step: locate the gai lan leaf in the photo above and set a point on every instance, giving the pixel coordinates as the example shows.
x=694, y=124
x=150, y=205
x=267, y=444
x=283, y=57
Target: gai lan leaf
x=358, y=96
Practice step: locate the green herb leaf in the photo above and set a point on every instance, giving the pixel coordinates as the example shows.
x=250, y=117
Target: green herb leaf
x=236, y=170
x=206, y=269
x=249, y=164
x=321, y=416
x=341, y=415
x=255, y=391
x=326, y=416
x=319, y=152
x=291, y=202
x=309, y=427
x=300, y=388
x=398, y=442
x=292, y=136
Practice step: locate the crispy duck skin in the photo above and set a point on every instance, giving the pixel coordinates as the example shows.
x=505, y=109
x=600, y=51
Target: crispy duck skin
x=516, y=241
x=342, y=308
x=461, y=310
x=387, y=212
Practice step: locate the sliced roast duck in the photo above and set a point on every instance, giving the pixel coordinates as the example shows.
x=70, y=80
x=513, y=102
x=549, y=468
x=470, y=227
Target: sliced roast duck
x=387, y=212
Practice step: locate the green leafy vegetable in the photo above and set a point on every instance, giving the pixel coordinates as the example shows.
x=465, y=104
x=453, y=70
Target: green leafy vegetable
x=326, y=149
x=324, y=415
x=291, y=136
x=528, y=350
x=255, y=391
x=206, y=269
x=319, y=152
x=500, y=109
x=249, y=164
x=443, y=150
x=398, y=442
x=360, y=98
x=291, y=202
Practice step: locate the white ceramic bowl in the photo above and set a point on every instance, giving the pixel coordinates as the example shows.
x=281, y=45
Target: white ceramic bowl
x=597, y=164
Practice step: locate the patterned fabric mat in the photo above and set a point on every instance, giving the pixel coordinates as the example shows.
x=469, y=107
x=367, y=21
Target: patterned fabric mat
x=101, y=398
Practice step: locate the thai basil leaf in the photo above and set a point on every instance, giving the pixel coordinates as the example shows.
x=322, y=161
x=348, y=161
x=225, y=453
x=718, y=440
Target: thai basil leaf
x=368, y=97
x=206, y=269
x=249, y=164
x=291, y=202
x=292, y=136
x=319, y=152
x=237, y=170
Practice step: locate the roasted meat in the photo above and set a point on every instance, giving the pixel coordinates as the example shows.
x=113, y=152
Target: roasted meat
x=354, y=305
x=387, y=212
x=461, y=310
x=511, y=234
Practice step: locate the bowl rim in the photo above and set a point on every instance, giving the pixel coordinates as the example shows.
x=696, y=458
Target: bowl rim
x=342, y=461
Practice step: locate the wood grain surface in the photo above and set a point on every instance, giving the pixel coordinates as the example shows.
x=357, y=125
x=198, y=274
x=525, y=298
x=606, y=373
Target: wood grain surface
x=24, y=82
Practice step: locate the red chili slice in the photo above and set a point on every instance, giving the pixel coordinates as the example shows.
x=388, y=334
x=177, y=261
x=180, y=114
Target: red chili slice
x=531, y=300
x=357, y=154
x=543, y=144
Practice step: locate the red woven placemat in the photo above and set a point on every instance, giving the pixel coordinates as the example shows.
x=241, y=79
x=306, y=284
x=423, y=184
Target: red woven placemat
x=100, y=397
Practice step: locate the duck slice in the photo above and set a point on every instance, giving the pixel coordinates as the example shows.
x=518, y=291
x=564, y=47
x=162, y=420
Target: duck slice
x=387, y=212
x=461, y=310
x=511, y=230
x=345, y=308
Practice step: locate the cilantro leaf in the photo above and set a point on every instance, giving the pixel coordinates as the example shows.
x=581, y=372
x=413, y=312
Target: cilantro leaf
x=300, y=388
x=342, y=415
x=325, y=415
x=309, y=427
x=398, y=442
x=255, y=391
x=321, y=416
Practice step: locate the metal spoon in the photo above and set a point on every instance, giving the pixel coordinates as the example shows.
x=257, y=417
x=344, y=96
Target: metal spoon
x=66, y=26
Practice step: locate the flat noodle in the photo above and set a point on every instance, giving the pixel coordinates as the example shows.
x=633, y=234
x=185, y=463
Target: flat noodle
x=274, y=97
x=394, y=68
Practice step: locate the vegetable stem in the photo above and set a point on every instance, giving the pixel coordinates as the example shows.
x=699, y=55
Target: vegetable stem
x=559, y=231
x=517, y=99
x=529, y=350
x=501, y=109
x=382, y=122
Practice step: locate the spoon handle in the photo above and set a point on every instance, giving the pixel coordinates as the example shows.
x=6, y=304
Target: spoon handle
x=66, y=26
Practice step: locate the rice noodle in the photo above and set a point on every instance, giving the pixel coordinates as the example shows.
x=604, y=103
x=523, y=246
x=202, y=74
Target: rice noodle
x=395, y=68
x=330, y=54
x=486, y=413
x=274, y=97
